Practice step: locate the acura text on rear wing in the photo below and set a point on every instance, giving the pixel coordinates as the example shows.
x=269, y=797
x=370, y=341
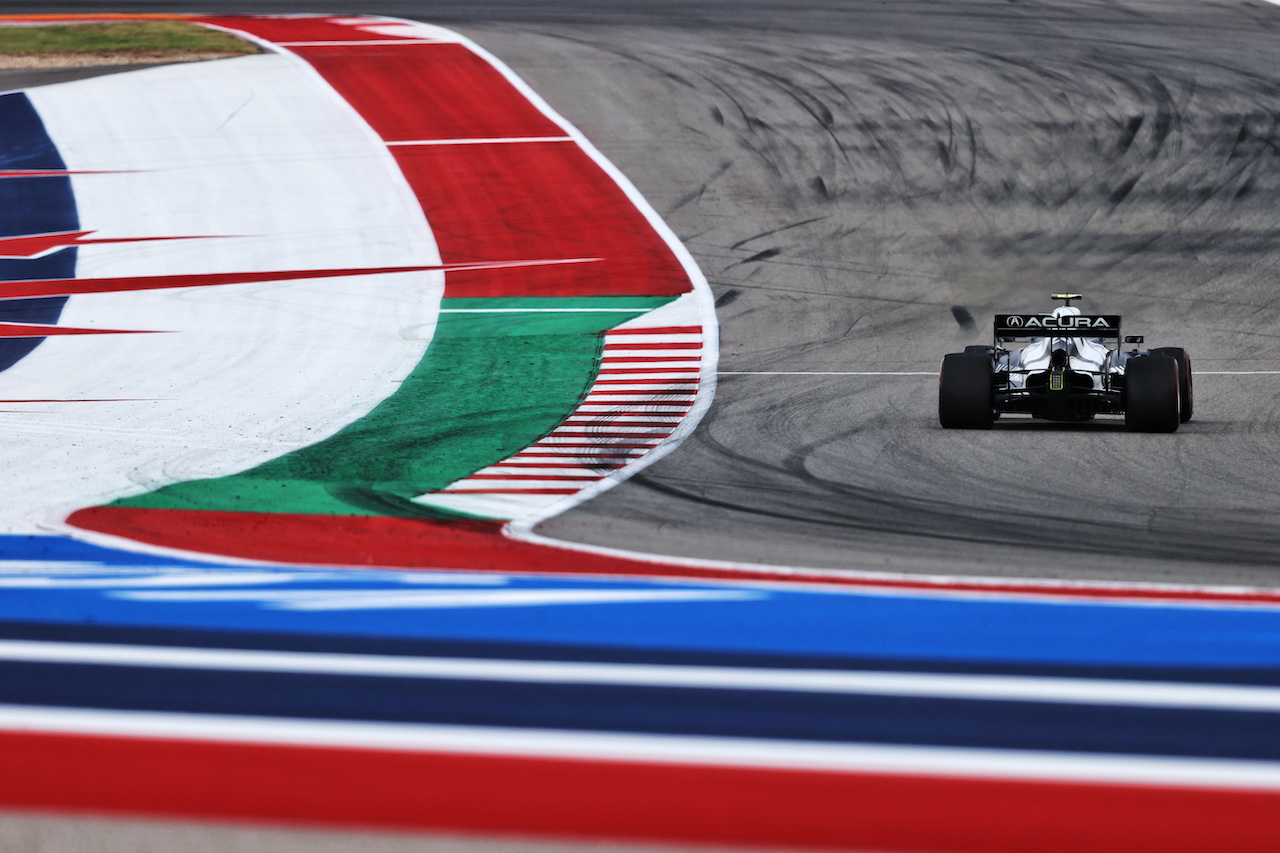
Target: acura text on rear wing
x=1038, y=325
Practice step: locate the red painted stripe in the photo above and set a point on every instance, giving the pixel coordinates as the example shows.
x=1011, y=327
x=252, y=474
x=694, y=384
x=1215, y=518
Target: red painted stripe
x=58, y=173
x=30, y=288
x=535, y=477
x=642, y=359
x=658, y=330
x=475, y=545
x=31, y=245
x=510, y=491
x=594, y=452
x=640, y=382
x=602, y=446
x=35, y=330
x=602, y=433
x=560, y=199
x=550, y=463
x=656, y=803
x=646, y=394
x=304, y=28
x=429, y=91
x=605, y=421
x=635, y=345
x=608, y=371
x=72, y=286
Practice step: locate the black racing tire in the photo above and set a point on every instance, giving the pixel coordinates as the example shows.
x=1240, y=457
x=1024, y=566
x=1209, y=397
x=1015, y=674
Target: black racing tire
x=1183, y=358
x=1151, y=394
x=966, y=391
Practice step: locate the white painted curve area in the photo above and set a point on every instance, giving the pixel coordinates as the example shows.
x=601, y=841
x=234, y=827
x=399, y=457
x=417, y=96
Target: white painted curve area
x=260, y=159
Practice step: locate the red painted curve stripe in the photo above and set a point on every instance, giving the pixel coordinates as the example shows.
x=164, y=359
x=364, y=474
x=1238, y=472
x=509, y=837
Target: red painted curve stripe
x=58, y=173
x=657, y=803
x=613, y=371
x=481, y=546
x=73, y=286
x=604, y=445
x=534, y=477
x=489, y=201
x=31, y=245
x=452, y=491
x=35, y=330
x=642, y=359
x=637, y=345
x=298, y=28
x=658, y=330
x=639, y=382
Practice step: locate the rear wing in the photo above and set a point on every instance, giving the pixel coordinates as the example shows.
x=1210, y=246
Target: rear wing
x=1046, y=325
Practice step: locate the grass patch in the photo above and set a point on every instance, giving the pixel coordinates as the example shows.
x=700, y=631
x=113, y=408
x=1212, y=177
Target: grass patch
x=120, y=37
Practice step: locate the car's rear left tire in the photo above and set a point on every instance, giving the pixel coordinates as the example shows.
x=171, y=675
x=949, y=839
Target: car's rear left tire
x=1183, y=358
x=1151, y=394
x=966, y=391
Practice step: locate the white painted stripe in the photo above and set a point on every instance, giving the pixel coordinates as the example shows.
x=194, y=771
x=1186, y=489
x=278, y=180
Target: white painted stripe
x=550, y=470
x=602, y=418
x=655, y=338
x=600, y=409
x=608, y=363
x=1239, y=372
x=655, y=390
x=676, y=750
x=611, y=430
x=357, y=42
x=576, y=453
x=672, y=375
x=631, y=399
x=320, y=600
x=1014, y=688
x=499, y=140
x=651, y=353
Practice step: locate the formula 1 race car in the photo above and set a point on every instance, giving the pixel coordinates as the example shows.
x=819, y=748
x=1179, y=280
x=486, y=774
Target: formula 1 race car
x=1065, y=366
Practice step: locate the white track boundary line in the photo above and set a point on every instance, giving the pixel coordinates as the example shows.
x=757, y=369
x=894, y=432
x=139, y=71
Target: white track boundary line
x=670, y=750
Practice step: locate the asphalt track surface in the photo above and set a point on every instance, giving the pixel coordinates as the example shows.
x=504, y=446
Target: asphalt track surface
x=864, y=186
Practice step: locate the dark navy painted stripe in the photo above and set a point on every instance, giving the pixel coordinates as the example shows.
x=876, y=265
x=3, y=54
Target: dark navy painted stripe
x=31, y=206
x=654, y=710
x=408, y=647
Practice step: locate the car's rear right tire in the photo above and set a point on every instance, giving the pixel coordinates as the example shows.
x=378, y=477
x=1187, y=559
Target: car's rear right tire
x=1183, y=358
x=966, y=391
x=1151, y=394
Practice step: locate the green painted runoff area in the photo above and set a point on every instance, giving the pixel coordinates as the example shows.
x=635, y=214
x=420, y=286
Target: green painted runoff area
x=492, y=382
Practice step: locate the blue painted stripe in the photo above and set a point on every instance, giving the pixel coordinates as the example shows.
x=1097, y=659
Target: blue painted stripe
x=800, y=623
x=31, y=206
x=654, y=710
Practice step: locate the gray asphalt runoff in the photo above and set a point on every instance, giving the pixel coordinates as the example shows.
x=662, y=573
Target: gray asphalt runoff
x=864, y=185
